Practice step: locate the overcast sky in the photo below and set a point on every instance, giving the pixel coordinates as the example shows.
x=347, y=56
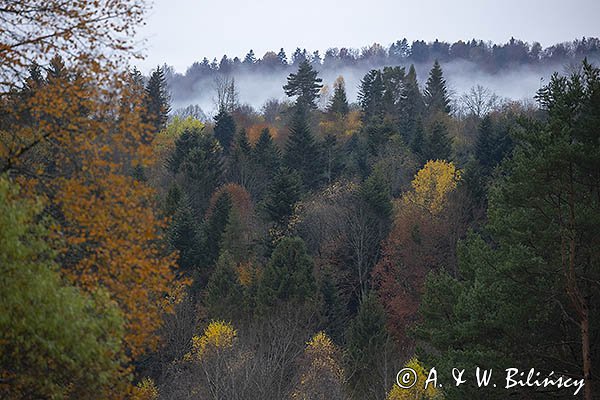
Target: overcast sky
x=179, y=32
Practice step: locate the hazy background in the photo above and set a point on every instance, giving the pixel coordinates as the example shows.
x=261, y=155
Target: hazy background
x=180, y=32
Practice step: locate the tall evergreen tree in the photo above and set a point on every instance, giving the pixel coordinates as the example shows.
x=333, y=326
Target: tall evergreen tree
x=302, y=152
x=224, y=294
x=283, y=194
x=157, y=100
x=366, y=343
x=224, y=129
x=184, y=236
x=436, y=95
x=412, y=107
x=288, y=277
x=265, y=152
x=338, y=104
x=282, y=57
x=437, y=145
x=215, y=227
x=250, y=58
x=305, y=84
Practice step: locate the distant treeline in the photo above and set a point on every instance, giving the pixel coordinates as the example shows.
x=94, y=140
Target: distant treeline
x=490, y=57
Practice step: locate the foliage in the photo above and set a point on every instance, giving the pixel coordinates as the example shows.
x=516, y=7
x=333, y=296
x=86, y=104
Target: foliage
x=432, y=184
x=55, y=340
x=418, y=391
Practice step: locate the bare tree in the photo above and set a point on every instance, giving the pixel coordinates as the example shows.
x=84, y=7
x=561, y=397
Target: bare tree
x=479, y=101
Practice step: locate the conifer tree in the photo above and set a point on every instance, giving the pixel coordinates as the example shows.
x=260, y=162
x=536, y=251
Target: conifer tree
x=224, y=294
x=224, y=129
x=215, y=227
x=265, y=152
x=302, y=152
x=157, y=100
x=250, y=58
x=375, y=192
x=288, y=277
x=412, y=107
x=437, y=145
x=436, y=95
x=366, y=342
x=305, y=84
x=333, y=311
x=184, y=236
x=283, y=194
x=339, y=102
x=282, y=57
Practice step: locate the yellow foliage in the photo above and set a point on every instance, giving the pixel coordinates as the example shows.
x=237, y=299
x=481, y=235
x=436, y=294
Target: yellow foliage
x=432, y=185
x=145, y=390
x=218, y=335
x=418, y=391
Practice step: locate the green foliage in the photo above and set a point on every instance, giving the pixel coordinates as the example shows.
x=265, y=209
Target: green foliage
x=224, y=129
x=224, y=294
x=288, y=277
x=215, y=227
x=55, y=342
x=338, y=104
x=366, y=341
x=436, y=95
x=302, y=152
x=157, y=100
x=437, y=145
x=375, y=192
x=283, y=194
x=305, y=85
x=184, y=236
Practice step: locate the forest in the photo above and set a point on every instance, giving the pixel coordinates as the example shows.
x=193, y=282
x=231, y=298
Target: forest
x=310, y=249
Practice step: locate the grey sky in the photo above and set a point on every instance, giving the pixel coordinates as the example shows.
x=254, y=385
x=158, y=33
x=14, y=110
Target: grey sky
x=180, y=32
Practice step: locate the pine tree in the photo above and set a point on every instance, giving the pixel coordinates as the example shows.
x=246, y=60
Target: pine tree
x=339, y=103
x=370, y=96
x=288, y=277
x=157, y=100
x=283, y=194
x=437, y=145
x=305, y=85
x=224, y=129
x=436, y=95
x=492, y=145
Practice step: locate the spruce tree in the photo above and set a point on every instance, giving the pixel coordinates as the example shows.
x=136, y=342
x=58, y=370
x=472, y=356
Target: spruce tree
x=437, y=145
x=250, y=58
x=338, y=104
x=375, y=192
x=283, y=193
x=265, y=152
x=282, y=57
x=302, y=152
x=333, y=312
x=366, y=343
x=224, y=294
x=184, y=236
x=288, y=277
x=157, y=100
x=305, y=84
x=215, y=227
x=436, y=95
x=412, y=107
x=224, y=129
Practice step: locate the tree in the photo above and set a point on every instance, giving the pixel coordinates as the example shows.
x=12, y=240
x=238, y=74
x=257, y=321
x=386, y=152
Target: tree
x=250, y=58
x=157, y=100
x=543, y=219
x=301, y=152
x=216, y=221
x=282, y=195
x=184, y=236
x=320, y=377
x=417, y=391
x=224, y=129
x=224, y=294
x=305, y=85
x=282, y=57
x=288, y=277
x=339, y=103
x=46, y=322
x=437, y=145
x=436, y=95
x=101, y=29
x=367, y=344
x=412, y=106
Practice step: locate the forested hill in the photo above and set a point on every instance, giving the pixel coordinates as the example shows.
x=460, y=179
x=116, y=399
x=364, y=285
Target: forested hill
x=512, y=69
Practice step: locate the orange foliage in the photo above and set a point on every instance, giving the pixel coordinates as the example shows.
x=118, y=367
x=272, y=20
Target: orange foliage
x=240, y=199
x=78, y=147
x=255, y=130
